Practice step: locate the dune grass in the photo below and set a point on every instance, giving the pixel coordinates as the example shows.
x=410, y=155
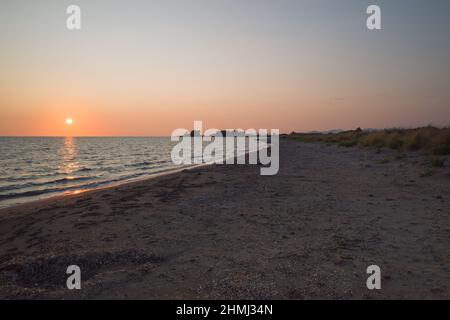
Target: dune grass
x=429, y=139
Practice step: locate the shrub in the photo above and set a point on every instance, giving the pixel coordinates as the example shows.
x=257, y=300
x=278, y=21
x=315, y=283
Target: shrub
x=395, y=141
x=437, y=163
x=348, y=144
x=441, y=150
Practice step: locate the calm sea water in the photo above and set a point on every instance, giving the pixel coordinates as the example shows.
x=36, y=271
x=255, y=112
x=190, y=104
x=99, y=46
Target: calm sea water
x=37, y=167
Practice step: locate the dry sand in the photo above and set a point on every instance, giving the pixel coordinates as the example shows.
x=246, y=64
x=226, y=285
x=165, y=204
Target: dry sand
x=226, y=232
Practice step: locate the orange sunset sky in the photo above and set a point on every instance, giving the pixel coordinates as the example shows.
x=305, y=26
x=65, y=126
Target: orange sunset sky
x=147, y=68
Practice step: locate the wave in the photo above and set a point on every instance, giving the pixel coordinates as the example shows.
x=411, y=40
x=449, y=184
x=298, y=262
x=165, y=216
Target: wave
x=92, y=185
x=39, y=192
x=46, y=183
x=146, y=163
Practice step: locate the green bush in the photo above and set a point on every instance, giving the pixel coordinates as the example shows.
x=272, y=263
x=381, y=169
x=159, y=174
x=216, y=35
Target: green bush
x=437, y=163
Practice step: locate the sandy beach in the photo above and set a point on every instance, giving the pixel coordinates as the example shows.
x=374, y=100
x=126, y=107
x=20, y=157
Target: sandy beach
x=224, y=231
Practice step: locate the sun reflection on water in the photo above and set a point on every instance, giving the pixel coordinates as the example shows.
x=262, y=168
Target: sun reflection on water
x=69, y=162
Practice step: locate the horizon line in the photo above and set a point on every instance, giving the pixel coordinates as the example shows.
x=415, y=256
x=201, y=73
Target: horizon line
x=168, y=136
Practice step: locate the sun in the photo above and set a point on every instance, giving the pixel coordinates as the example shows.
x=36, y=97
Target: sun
x=69, y=121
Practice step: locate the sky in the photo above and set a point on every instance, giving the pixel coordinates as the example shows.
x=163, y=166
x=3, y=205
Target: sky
x=145, y=68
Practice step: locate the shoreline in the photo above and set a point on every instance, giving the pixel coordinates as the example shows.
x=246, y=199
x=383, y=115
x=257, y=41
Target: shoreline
x=226, y=232
x=112, y=186
x=37, y=200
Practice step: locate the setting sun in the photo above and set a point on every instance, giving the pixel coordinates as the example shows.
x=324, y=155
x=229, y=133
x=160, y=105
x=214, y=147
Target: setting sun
x=69, y=121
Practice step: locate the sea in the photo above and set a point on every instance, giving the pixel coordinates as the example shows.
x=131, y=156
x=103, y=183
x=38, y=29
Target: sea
x=33, y=168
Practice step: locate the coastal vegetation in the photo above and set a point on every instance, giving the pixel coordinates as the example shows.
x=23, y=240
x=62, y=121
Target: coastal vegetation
x=432, y=140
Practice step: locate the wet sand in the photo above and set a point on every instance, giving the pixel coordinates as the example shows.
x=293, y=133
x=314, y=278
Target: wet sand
x=226, y=232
